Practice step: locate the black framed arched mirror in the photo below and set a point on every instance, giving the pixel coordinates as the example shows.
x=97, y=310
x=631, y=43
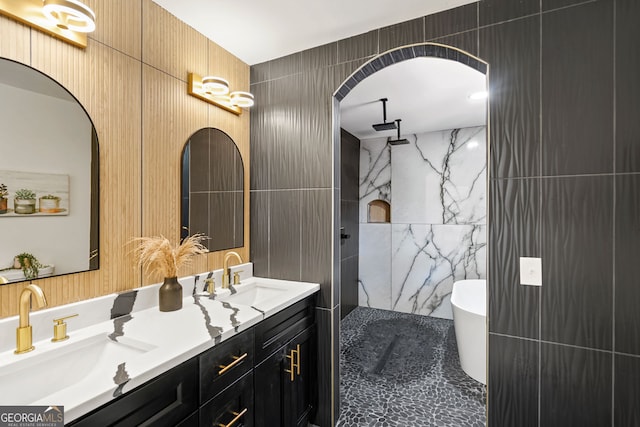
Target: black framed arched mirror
x=49, y=178
x=213, y=189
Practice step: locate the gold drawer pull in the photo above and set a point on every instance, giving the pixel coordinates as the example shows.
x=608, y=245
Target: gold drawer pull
x=294, y=355
x=235, y=420
x=237, y=359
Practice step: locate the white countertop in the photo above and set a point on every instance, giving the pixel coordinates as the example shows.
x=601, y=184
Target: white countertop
x=159, y=342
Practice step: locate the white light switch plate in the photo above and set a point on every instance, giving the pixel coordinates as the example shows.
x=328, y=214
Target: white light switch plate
x=531, y=271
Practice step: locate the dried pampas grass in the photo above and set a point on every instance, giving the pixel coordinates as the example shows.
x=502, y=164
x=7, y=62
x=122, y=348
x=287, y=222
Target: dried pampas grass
x=157, y=254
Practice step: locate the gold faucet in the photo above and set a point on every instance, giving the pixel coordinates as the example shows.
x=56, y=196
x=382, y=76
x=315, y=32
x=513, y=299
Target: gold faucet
x=225, y=265
x=3, y=280
x=23, y=332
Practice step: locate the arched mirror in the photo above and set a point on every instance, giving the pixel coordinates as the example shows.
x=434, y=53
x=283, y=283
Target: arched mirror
x=49, y=173
x=213, y=189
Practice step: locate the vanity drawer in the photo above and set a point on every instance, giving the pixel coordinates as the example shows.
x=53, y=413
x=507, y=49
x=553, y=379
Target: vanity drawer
x=275, y=331
x=223, y=364
x=233, y=407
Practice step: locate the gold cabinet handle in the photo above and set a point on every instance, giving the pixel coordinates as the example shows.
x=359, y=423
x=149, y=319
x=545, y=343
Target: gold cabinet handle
x=294, y=358
x=236, y=360
x=235, y=420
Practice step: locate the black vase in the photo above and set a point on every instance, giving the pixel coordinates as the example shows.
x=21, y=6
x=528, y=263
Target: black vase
x=170, y=294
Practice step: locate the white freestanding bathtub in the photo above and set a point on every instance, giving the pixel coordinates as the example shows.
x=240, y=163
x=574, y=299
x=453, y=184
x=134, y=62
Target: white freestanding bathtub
x=469, y=303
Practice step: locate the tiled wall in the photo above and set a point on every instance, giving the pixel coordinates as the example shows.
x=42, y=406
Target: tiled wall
x=436, y=185
x=349, y=242
x=564, y=185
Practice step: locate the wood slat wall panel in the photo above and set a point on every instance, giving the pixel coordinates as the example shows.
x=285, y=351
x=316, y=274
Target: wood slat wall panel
x=143, y=118
x=121, y=31
x=170, y=117
x=14, y=40
x=170, y=45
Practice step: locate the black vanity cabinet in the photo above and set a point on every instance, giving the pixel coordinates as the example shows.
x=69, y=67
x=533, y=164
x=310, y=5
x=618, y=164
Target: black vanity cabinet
x=285, y=368
x=263, y=376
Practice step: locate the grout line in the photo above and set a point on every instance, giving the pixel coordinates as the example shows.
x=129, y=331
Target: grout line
x=558, y=343
x=613, y=231
x=540, y=201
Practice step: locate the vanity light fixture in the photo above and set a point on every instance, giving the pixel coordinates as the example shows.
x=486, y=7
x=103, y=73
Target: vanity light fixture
x=70, y=15
x=215, y=90
x=67, y=20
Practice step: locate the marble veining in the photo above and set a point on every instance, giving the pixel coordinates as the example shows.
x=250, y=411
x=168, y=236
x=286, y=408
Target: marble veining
x=121, y=379
x=375, y=173
x=214, y=331
x=437, y=233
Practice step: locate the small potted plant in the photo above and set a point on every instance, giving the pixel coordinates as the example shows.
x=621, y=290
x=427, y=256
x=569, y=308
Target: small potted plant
x=24, y=201
x=49, y=204
x=28, y=263
x=157, y=254
x=3, y=198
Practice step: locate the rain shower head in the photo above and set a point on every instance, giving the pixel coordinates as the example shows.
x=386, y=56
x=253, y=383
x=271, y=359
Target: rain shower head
x=384, y=125
x=398, y=141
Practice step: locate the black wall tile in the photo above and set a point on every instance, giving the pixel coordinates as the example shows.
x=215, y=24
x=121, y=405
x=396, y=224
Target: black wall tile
x=358, y=47
x=284, y=237
x=575, y=386
x=513, y=382
x=221, y=214
x=315, y=248
x=259, y=235
x=627, y=270
x=467, y=41
x=349, y=285
x=222, y=155
x=627, y=86
x=349, y=221
x=285, y=66
x=493, y=11
x=577, y=272
x=577, y=90
x=627, y=390
x=238, y=218
x=199, y=215
x=259, y=72
x=315, y=113
x=513, y=233
x=451, y=21
x=408, y=32
x=349, y=166
x=555, y=4
x=513, y=52
x=285, y=156
x=261, y=137
x=319, y=57
x=199, y=160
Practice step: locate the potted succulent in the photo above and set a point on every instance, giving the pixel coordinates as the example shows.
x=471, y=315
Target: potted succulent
x=157, y=254
x=3, y=198
x=49, y=204
x=24, y=201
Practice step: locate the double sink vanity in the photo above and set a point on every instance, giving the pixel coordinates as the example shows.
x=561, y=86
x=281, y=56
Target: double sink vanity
x=242, y=355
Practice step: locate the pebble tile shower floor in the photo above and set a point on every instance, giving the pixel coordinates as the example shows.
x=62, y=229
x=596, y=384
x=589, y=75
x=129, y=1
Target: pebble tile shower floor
x=399, y=369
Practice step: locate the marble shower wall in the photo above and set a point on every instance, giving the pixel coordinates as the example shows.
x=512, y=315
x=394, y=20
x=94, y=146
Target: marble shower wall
x=436, y=186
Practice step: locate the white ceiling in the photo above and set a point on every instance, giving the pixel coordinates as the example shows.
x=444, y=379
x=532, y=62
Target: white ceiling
x=260, y=30
x=428, y=94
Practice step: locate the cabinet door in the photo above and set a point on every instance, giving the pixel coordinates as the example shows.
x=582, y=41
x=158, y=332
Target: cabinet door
x=283, y=383
x=164, y=401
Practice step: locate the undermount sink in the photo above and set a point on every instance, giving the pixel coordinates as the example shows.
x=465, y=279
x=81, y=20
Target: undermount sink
x=32, y=377
x=257, y=292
